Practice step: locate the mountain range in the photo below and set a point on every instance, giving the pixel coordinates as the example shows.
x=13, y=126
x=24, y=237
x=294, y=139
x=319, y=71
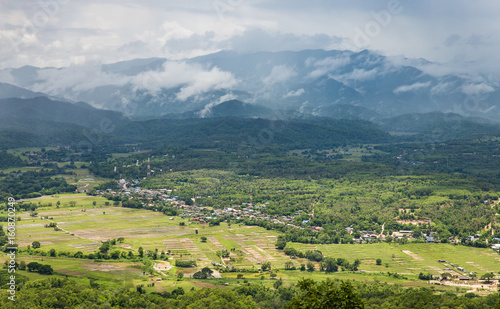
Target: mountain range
x=337, y=84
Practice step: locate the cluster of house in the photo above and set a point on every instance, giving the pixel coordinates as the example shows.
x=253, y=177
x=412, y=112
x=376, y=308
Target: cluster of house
x=249, y=211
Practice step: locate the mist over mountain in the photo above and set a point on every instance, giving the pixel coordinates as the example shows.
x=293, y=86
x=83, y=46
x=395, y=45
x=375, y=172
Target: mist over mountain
x=11, y=91
x=338, y=84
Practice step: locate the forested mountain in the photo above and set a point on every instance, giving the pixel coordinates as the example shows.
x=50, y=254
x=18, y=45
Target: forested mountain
x=43, y=108
x=11, y=91
x=318, y=82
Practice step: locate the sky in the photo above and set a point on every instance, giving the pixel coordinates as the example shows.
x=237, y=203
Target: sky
x=462, y=35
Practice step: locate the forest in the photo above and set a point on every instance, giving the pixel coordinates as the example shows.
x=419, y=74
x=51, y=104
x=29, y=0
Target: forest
x=355, y=176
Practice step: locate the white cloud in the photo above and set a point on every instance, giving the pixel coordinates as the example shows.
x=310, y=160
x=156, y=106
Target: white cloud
x=326, y=65
x=193, y=79
x=279, y=74
x=76, y=79
x=413, y=87
x=357, y=75
x=442, y=88
x=190, y=79
x=477, y=89
x=208, y=108
x=296, y=93
x=465, y=35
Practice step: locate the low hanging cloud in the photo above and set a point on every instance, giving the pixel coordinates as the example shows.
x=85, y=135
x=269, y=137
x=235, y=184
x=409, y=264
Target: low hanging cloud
x=191, y=79
x=279, y=74
x=442, y=88
x=326, y=65
x=477, y=89
x=76, y=79
x=296, y=93
x=412, y=87
x=207, y=109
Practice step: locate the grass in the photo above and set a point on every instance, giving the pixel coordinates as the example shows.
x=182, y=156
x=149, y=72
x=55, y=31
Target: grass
x=88, y=224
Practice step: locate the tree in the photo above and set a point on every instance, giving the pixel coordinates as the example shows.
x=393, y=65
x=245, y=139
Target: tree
x=488, y=277
x=52, y=252
x=104, y=247
x=215, y=299
x=141, y=252
x=266, y=266
x=356, y=264
x=203, y=239
x=46, y=270
x=310, y=266
x=278, y=283
x=115, y=255
x=446, y=276
x=379, y=261
x=327, y=294
x=329, y=265
x=33, y=266
x=180, y=275
x=288, y=265
x=280, y=244
x=36, y=244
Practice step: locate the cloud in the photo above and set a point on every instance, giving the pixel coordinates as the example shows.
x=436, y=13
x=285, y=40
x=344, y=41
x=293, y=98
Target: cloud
x=76, y=79
x=192, y=78
x=463, y=36
x=477, y=89
x=254, y=39
x=296, y=93
x=327, y=65
x=413, y=87
x=442, y=88
x=279, y=74
x=6, y=77
x=187, y=79
x=207, y=109
x=360, y=74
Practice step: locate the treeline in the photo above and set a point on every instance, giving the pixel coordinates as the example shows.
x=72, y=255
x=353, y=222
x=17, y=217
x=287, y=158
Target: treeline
x=67, y=293
x=231, y=133
x=477, y=157
x=32, y=184
x=8, y=160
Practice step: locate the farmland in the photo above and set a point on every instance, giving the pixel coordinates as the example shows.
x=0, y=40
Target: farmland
x=84, y=226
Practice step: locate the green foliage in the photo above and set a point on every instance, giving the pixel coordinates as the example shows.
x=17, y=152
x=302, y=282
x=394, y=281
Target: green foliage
x=35, y=244
x=488, y=276
x=325, y=295
x=33, y=184
x=179, y=263
x=8, y=160
x=40, y=268
x=215, y=299
x=204, y=273
x=180, y=275
x=266, y=266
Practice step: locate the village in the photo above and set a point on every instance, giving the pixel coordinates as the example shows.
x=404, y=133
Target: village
x=198, y=213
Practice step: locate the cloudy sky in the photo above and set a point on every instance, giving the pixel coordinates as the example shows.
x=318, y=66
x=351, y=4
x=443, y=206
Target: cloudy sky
x=461, y=34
